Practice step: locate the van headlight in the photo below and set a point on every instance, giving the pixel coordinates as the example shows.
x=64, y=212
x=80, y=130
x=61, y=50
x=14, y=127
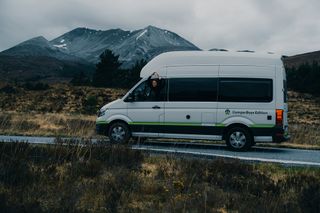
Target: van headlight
x=101, y=112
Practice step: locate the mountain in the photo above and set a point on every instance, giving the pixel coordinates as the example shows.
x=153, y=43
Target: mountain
x=38, y=46
x=38, y=59
x=34, y=68
x=79, y=50
x=131, y=46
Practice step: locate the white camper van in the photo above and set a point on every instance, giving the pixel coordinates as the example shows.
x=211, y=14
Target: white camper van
x=237, y=97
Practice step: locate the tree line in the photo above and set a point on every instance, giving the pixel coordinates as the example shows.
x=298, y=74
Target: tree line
x=108, y=73
x=304, y=78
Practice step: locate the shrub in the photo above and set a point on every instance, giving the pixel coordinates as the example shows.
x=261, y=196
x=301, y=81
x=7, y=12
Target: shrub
x=90, y=105
x=310, y=197
x=39, y=86
x=8, y=89
x=305, y=78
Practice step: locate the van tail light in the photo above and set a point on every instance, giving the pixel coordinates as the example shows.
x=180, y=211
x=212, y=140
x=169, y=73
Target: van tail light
x=279, y=117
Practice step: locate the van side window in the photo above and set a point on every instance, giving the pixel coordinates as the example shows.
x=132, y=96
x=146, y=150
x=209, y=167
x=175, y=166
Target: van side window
x=193, y=89
x=245, y=90
x=144, y=92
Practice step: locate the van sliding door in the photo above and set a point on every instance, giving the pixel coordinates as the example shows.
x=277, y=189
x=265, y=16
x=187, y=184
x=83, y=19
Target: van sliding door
x=191, y=107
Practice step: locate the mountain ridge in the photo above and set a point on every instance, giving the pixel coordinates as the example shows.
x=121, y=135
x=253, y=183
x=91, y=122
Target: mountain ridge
x=82, y=47
x=39, y=58
x=299, y=59
x=131, y=46
x=38, y=46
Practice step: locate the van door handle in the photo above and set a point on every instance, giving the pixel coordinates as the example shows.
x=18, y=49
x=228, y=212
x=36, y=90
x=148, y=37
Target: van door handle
x=156, y=107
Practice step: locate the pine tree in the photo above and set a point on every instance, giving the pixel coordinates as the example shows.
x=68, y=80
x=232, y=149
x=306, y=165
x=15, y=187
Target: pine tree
x=134, y=72
x=305, y=78
x=80, y=79
x=106, y=70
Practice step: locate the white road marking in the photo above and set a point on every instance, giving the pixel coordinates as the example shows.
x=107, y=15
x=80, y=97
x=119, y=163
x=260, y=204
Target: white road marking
x=230, y=156
x=276, y=158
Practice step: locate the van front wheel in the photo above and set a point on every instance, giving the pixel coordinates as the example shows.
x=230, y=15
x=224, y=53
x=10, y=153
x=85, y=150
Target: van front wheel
x=238, y=139
x=119, y=133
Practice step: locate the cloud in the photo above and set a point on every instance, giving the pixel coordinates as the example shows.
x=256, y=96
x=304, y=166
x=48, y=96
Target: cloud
x=286, y=27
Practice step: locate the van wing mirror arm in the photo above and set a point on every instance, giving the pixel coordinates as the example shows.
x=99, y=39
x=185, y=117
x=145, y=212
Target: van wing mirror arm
x=130, y=98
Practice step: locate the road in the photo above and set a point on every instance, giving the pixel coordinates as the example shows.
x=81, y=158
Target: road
x=286, y=156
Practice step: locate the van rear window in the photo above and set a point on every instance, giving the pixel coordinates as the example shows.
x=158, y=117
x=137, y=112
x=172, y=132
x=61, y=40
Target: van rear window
x=245, y=90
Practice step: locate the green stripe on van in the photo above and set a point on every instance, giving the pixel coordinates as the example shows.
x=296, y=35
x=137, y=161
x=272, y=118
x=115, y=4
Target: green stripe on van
x=181, y=124
x=165, y=123
x=186, y=124
x=220, y=125
x=102, y=122
x=262, y=125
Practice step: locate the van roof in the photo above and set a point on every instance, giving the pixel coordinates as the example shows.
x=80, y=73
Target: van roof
x=207, y=58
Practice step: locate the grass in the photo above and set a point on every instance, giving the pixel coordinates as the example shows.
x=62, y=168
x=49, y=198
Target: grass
x=105, y=178
x=59, y=98
x=47, y=124
x=61, y=110
x=304, y=120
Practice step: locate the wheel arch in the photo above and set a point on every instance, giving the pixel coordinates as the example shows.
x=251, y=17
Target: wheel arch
x=241, y=125
x=120, y=117
x=117, y=118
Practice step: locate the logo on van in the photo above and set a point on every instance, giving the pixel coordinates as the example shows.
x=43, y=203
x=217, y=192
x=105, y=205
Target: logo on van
x=227, y=112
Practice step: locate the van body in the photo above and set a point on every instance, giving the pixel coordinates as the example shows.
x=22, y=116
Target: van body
x=237, y=97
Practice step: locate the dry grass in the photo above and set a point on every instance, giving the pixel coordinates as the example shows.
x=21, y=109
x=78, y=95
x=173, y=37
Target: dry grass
x=304, y=109
x=60, y=98
x=62, y=110
x=57, y=178
x=304, y=119
x=47, y=124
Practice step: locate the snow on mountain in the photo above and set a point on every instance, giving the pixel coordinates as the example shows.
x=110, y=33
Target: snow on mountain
x=39, y=46
x=86, y=45
x=131, y=46
x=89, y=44
x=64, y=46
x=144, y=32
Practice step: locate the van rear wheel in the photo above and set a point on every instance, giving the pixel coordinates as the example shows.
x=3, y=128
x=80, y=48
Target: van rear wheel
x=238, y=139
x=119, y=133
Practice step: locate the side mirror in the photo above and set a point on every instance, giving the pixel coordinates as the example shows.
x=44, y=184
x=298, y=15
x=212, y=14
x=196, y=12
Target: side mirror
x=130, y=98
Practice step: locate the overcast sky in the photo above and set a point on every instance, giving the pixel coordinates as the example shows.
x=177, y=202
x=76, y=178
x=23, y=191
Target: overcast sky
x=282, y=26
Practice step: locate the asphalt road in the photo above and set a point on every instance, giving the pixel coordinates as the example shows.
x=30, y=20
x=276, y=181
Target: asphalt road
x=298, y=157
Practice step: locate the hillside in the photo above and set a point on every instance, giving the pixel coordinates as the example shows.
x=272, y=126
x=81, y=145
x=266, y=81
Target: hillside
x=131, y=46
x=45, y=68
x=300, y=59
x=38, y=47
x=79, y=50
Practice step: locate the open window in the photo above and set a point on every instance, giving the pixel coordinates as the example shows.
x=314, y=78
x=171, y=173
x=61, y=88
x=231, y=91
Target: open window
x=148, y=91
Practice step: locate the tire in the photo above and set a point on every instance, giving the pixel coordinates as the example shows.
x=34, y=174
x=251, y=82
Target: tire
x=239, y=139
x=119, y=133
